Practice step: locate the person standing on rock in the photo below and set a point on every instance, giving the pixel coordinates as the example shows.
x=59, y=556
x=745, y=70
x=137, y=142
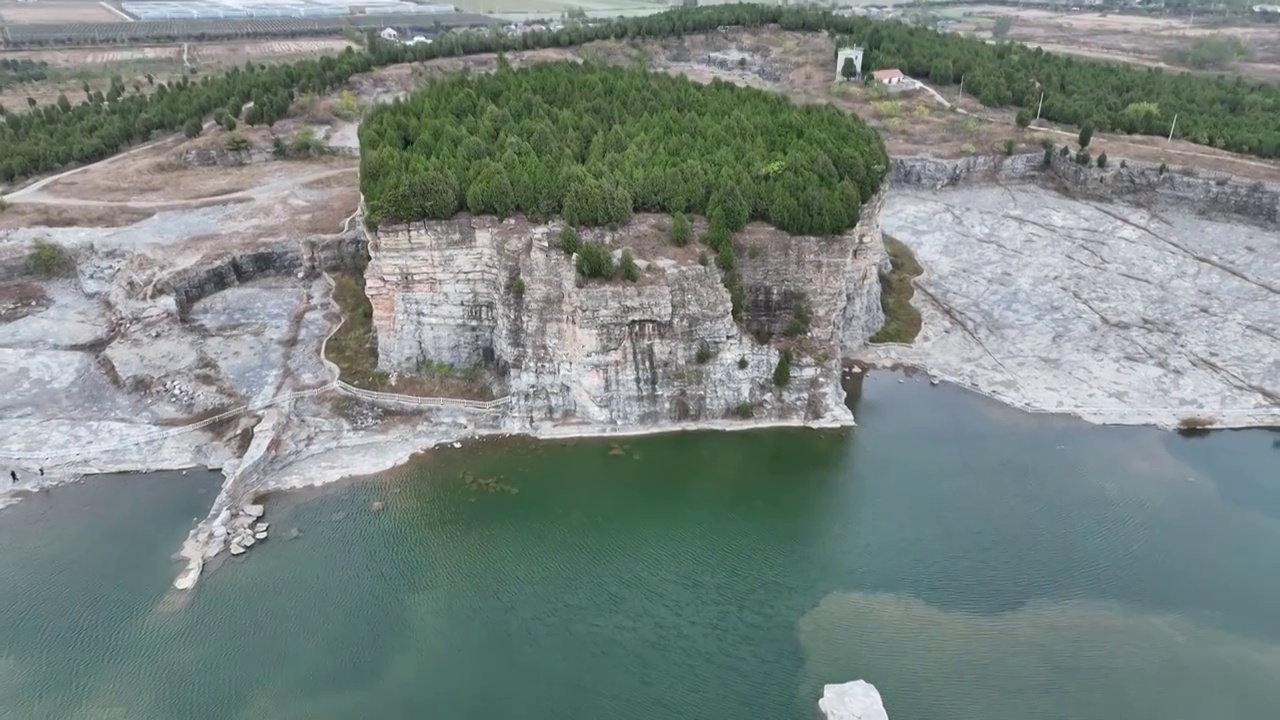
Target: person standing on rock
x=14, y=474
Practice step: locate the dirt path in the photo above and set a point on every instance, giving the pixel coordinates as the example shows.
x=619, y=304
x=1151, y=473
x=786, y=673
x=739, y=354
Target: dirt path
x=37, y=194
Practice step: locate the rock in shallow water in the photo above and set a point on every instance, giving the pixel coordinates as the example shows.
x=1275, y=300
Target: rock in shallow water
x=857, y=700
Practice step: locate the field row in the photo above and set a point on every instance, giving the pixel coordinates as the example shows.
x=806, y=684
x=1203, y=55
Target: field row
x=160, y=30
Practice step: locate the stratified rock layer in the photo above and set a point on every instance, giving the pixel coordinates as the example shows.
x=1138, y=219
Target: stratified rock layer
x=480, y=292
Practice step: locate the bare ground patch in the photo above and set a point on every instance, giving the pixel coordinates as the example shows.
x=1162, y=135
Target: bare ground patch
x=1125, y=38
x=20, y=215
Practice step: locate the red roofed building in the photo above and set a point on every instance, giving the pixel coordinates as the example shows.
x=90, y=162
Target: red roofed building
x=892, y=76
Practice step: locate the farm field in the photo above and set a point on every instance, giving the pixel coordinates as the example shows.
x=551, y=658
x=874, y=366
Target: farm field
x=1123, y=38
x=55, y=11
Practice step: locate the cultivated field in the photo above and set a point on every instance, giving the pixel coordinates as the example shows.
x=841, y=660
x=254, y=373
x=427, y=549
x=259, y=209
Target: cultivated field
x=75, y=66
x=1122, y=38
x=55, y=11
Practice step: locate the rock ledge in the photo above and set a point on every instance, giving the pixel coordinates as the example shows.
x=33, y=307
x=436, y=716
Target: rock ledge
x=857, y=700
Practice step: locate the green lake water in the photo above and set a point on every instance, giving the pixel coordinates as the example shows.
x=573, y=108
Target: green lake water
x=973, y=562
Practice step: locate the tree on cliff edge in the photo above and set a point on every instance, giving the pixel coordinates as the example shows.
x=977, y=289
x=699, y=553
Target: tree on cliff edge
x=1086, y=133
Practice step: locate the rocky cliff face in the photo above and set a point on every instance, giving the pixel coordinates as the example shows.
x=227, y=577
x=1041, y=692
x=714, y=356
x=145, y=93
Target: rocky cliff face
x=1201, y=191
x=664, y=351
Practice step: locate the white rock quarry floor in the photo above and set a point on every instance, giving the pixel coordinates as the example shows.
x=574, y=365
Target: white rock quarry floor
x=1102, y=310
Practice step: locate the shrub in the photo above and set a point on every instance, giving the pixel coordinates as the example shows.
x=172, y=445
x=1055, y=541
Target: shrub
x=680, y=230
x=49, y=260
x=718, y=236
x=305, y=143
x=737, y=293
x=1102, y=160
x=968, y=148
x=745, y=410
x=237, y=143
x=724, y=257
x=782, y=373
x=1023, y=118
x=801, y=314
x=1086, y=134
x=702, y=258
x=1010, y=146
x=627, y=265
x=517, y=287
x=742, y=363
x=703, y=356
x=1163, y=168
x=192, y=128
x=1048, y=157
x=1064, y=151
x=595, y=261
x=1083, y=158
x=569, y=241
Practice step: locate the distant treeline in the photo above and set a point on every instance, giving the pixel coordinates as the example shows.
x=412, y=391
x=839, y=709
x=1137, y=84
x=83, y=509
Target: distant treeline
x=1228, y=113
x=14, y=72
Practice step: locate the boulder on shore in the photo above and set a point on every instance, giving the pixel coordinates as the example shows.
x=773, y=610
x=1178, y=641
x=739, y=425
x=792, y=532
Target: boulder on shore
x=857, y=700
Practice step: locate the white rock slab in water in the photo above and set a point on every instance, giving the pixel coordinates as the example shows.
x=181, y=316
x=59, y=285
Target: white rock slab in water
x=857, y=700
x=236, y=549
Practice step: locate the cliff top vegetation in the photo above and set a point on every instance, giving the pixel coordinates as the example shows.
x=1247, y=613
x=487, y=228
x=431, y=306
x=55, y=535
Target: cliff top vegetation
x=595, y=143
x=1228, y=113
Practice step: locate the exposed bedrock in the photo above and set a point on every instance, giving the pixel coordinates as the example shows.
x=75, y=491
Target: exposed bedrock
x=477, y=291
x=1118, y=312
x=1140, y=183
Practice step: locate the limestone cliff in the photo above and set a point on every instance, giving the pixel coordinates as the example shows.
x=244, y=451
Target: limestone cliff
x=662, y=352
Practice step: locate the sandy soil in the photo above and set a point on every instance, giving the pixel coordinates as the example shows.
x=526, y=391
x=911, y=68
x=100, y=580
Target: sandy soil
x=158, y=179
x=235, y=53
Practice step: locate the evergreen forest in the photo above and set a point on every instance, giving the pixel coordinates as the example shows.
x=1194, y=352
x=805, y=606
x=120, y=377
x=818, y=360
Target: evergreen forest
x=594, y=143
x=1220, y=111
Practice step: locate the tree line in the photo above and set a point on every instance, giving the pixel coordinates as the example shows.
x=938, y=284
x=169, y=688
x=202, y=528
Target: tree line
x=595, y=143
x=1229, y=113
x=16, y=72
x=1223, y=112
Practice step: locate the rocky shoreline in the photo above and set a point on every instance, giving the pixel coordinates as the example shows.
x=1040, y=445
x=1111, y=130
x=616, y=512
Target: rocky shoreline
x=324, y=435
x=1126, y=295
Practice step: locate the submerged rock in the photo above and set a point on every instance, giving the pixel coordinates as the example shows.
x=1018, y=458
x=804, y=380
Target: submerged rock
x=857, y=700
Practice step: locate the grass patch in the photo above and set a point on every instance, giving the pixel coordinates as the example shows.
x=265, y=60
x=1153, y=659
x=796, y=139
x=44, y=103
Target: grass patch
x=50, y=260
x=901, y=319
x=354, y=348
